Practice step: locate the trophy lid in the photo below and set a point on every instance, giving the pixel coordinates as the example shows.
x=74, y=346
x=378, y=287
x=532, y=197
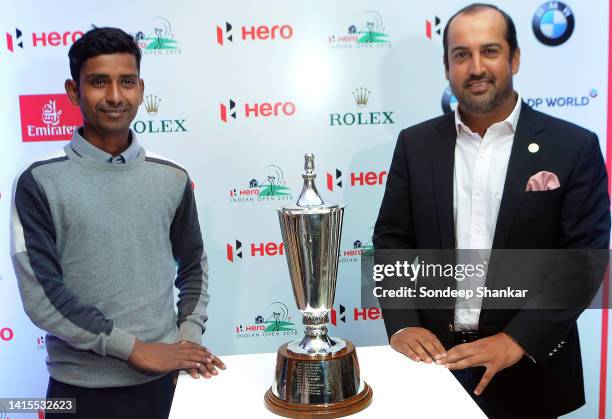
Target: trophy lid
x=309, y=201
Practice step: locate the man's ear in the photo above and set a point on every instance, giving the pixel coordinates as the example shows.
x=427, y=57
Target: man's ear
x=142, y=87
x=515, y=62
x=445, y=61
x=72, y=90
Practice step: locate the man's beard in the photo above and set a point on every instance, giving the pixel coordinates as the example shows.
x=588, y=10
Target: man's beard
x=471, y=103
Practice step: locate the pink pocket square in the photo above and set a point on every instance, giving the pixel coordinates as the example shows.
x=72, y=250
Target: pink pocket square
x=543, y=181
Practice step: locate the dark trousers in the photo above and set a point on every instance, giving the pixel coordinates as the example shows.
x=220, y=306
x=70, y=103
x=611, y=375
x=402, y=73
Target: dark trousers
x=469, y=379
x=150, y=400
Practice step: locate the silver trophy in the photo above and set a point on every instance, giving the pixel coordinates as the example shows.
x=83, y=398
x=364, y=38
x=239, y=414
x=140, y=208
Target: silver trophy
x=317, y=375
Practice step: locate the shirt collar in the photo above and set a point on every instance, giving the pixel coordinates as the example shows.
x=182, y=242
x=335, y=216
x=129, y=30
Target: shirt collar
x=511, y=121
x=87, y=150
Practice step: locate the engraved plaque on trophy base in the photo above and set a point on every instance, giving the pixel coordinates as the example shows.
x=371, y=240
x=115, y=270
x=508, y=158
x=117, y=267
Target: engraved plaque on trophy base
x=318, y=386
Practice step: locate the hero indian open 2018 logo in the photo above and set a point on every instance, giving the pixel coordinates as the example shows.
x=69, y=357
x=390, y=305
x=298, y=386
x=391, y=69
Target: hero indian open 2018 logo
x=48, y=117
x=277, y=323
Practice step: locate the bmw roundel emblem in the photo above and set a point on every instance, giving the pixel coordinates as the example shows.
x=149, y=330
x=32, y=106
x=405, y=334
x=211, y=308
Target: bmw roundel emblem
x=449, y=101
x=553, y=23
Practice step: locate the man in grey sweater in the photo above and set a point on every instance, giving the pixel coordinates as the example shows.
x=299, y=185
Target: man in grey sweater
x=99, y=232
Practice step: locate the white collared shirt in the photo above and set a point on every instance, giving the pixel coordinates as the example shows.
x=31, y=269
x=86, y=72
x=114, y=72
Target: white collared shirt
x=478, y=184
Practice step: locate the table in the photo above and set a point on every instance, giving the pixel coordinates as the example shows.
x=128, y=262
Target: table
x=402, y=389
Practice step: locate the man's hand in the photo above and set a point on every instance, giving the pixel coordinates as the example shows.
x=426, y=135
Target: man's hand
x=494, y=353
x=165, y=357
x=418, y=344
x=208, y=369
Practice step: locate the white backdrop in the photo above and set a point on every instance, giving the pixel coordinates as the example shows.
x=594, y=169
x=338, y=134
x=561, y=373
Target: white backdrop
x=238, y=93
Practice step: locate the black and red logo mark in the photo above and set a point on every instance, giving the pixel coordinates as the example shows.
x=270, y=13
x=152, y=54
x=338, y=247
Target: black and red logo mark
x=226, y=34
x=333, y=181
x=434, y=27
x=16, y=41
x=335, y=316
x=234, y=250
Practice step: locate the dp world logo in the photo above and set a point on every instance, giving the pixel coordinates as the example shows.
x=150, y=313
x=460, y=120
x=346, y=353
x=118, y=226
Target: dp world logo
x=449, y=101
x=553, y=23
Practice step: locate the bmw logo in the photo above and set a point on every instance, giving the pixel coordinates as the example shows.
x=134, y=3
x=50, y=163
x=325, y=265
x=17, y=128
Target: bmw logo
x=553, y=23
x=449, y=101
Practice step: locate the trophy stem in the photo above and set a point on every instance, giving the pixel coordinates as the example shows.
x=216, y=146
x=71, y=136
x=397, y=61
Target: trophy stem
x=316, y=341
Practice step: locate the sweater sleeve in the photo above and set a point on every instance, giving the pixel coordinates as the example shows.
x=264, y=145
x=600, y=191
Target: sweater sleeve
x=192, y=273
x=47, y=301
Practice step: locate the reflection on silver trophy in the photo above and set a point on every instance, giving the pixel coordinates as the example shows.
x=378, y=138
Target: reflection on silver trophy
x=317, y=375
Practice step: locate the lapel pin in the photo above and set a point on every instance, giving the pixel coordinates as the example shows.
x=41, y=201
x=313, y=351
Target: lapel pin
x=533, y=148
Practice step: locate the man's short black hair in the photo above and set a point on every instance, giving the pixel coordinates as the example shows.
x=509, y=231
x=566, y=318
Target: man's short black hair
x=99, y=41
x=476, y=7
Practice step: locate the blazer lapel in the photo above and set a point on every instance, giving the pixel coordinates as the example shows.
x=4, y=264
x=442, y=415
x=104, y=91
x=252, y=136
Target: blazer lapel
x=443, y=164
x=520, y=168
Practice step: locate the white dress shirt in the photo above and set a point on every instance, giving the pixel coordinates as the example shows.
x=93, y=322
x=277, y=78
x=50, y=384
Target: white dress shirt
x=478, y=184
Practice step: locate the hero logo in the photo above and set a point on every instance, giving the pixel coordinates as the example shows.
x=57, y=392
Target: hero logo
x=234, y=250
x=253, y=33
x=40, y=342
x=372, y=313
x=334, y=179
x=432, y=28
x=17, y=41
x=52, y=39
x=335, y=316
x=256, y=110
x=55, y=39
x=6, y=334
x=59, y=117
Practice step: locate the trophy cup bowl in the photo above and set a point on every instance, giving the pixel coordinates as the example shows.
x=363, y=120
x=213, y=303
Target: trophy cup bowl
x=317, y=376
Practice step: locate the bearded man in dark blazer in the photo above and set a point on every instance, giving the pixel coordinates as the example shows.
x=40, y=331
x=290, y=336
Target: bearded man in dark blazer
x=495, y=174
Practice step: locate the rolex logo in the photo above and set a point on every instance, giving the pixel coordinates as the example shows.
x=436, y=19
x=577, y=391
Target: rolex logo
x=361, y=96
x=152, y=104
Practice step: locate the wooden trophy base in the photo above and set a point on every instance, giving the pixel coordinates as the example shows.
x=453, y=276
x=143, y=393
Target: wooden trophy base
x=330, y=410
x=317, y=386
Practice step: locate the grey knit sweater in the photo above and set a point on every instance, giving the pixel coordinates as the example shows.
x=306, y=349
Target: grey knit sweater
x=95, y=248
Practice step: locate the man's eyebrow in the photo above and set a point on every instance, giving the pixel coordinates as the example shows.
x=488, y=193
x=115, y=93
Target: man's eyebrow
x=104, y=75
x=96, y=76
x=460, y=47
x=489, y=45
